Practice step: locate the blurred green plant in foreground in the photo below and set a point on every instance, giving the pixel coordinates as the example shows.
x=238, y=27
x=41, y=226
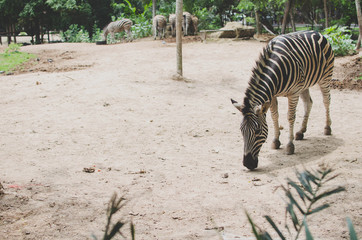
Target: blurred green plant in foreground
x=302, y=201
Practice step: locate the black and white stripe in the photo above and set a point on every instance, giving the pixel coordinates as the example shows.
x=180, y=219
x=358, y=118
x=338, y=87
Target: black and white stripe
x=118, y=26
x=172, y=21
x=195, y=23
x=288, y=66
x=186, y=23
x=159, y=26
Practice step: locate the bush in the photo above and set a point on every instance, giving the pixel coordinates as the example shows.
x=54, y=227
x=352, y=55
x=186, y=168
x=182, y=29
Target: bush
x=340, y=39
x=12, y=48
x=208, y=20
x=97, y=34
x=302, y=197
x=75, y=34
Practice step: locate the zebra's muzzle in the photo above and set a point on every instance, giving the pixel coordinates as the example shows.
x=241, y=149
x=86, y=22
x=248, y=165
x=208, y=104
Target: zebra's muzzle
x=250, y=162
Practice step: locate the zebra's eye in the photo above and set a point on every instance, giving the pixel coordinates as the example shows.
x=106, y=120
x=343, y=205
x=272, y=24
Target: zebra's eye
x=257, y=131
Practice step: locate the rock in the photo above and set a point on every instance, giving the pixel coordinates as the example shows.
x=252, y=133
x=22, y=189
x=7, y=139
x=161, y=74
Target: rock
x=236, y=30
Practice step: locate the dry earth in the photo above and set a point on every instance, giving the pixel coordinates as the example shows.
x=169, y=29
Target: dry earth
x=173, y=149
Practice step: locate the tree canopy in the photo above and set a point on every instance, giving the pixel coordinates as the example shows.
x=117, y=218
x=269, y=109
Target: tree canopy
x=38, y=16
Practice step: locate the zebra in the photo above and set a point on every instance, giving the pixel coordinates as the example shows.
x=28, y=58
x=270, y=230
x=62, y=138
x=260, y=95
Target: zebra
x=118, y=26
x=195, y=22
x=288, y=66
x=159, y=26
x=186, y=22
x=172, y=21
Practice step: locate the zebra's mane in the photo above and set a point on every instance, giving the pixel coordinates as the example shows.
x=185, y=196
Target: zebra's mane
x=255, y=80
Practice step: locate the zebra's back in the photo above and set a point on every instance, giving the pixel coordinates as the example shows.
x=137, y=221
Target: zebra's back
x=296, y=61
x=119, y=26
x=172, y=19
x=159, y=21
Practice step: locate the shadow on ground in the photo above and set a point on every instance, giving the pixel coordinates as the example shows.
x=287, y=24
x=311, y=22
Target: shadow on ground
x=306, y=151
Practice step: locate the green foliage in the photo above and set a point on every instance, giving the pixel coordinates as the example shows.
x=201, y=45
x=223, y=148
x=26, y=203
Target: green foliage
x=166, y=8
x=12, y=48
x=12, y=58
x=352, y=232
x=302, y=199
x=142, y=29
x=142, y=22
x=340, y=39
x=62, y=4
x=345, y=12
x=75, y=34
x=207, y=18
x=96, y=34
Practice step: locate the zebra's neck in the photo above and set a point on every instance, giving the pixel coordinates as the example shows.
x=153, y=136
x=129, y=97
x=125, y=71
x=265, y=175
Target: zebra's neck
x=258, y=92
x=261, y=86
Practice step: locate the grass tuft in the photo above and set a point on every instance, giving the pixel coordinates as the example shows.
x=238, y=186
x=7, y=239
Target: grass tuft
x=12, y=58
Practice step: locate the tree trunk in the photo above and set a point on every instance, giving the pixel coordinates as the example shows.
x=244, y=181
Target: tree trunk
x=13, y=31
x=153, y=8
x=292, y=22
x=359, y=17
x=8, y=29
x=326, y=13
x=179, y=17
x=257, y=21
x=286, y=13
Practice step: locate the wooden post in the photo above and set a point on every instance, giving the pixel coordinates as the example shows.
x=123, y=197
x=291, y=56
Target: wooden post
x=179, y=16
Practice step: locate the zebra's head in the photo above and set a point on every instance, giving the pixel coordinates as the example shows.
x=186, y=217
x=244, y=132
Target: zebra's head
x=254, y=129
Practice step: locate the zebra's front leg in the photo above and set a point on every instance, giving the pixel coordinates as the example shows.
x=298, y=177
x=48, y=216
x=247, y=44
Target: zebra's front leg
x=275, y=117
x=307, y=100
x=292, y=106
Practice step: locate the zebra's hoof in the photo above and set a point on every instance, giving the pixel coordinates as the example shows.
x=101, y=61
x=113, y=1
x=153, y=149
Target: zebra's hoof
x=275, y=144
x=290, y=148
x=327, y=130
x=299, y=136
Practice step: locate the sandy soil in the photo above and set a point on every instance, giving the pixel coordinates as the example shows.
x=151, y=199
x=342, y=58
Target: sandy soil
x=173, y=149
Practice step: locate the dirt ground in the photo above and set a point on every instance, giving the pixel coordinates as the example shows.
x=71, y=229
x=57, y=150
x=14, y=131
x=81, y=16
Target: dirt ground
x=172, y=148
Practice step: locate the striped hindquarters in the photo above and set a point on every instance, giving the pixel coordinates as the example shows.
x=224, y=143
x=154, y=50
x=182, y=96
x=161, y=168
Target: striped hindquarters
x=172, y=21
x=291, y=63
x=195, y=23
x=186, y=22
x=159, y=22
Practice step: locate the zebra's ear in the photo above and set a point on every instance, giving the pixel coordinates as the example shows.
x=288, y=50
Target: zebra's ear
x=265, y=107
x=236, y=104
x=262, y=109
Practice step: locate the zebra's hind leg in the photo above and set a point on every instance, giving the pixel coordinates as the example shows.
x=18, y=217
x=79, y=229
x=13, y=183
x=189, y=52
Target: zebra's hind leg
x=292, y=106
x=307, y=100
x=275, y=117
x=326, y=100
x=129, y=35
